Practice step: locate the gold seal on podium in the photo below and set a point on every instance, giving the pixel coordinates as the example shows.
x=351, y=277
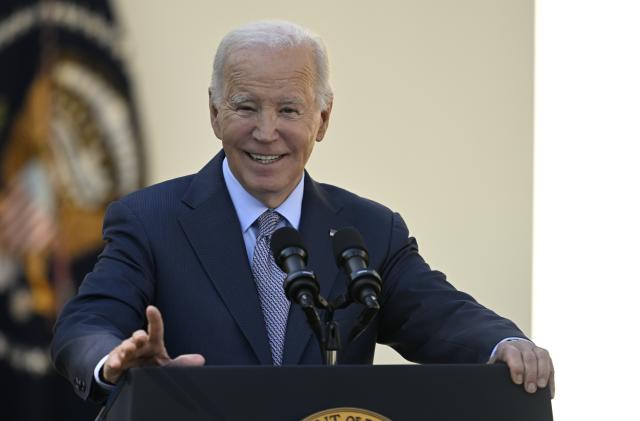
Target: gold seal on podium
x=345, y=414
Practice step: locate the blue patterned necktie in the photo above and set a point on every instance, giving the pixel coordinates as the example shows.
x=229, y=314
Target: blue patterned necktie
x=269, y=278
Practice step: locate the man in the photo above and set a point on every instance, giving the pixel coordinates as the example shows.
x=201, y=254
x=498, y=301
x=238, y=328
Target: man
x=189, y=257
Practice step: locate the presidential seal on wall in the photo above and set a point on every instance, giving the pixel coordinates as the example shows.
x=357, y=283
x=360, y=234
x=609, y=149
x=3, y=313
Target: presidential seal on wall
x=70, y=143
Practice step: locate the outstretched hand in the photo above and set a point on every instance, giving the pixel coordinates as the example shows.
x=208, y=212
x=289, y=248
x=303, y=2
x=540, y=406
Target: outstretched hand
x=144, y=349
x=528, y=364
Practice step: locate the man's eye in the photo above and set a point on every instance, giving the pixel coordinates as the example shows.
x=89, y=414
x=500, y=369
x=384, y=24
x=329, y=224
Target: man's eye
x=245, y=108
x=289, y=110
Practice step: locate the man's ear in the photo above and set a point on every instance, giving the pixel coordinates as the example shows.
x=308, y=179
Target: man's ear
x=324, y=116
x=213, y=115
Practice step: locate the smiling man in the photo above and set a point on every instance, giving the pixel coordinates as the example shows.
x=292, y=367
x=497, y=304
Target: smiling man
x=186, y=278
x=269, y=117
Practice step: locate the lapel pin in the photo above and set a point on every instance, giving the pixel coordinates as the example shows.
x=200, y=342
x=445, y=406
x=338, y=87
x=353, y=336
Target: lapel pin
x=332, y=232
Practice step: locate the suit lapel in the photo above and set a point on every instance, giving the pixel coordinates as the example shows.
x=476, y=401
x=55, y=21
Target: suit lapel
x=319, y=216
x=212, y=227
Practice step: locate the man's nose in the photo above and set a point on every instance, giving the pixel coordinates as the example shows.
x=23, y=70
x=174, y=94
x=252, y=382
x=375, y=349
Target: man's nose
x=266, y=129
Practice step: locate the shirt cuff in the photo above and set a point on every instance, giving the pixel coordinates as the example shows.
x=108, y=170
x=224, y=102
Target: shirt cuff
x=96, y=375
x=509, y=339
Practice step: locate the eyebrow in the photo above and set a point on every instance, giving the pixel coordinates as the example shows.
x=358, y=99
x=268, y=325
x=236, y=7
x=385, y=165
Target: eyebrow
x=294, y=101
x=239, y=99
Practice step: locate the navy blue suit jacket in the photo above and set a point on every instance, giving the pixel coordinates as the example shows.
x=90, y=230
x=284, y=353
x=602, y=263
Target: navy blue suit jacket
x=178, y=245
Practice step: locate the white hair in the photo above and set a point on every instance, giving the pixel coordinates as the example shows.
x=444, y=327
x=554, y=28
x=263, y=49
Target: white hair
x=272, y=34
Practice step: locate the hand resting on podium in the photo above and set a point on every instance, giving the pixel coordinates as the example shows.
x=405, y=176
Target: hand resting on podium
x=528, y=364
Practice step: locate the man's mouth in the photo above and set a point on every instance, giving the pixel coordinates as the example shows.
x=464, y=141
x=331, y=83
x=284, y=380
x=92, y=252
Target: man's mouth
x=264, y=159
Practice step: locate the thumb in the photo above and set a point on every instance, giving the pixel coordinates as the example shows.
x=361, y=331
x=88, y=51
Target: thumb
x=186, y=360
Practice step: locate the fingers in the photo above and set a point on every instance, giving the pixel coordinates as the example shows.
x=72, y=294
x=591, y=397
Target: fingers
x=544, y=366
x=530, y=368
x=124, y=356
x=155, y=326
x=528, y=364
x=187, y=360
x=513, y=358
x=552, y=380
x=142, y=348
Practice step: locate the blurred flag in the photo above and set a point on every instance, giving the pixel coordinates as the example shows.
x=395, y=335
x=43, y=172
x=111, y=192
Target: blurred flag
x=69, y=144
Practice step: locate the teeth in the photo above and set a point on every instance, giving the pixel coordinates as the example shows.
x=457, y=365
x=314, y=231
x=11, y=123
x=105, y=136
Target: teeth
x=264, y=158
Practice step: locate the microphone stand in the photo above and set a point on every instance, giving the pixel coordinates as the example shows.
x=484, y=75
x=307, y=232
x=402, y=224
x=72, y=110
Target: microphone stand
x=327, y=331
x=331, y=344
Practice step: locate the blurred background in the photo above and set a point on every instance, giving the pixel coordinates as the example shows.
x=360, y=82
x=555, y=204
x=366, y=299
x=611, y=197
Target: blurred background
x=433, y=116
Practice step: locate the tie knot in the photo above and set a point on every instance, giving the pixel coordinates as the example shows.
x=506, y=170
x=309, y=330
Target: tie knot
x=267, y=222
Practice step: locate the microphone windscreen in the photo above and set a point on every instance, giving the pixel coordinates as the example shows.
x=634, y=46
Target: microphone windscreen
x=285, y=237
x=344, y=239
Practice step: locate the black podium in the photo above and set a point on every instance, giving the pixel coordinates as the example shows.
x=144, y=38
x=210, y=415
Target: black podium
x=399, y=393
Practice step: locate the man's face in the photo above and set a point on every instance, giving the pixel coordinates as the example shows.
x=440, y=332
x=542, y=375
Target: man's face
x=269, y=119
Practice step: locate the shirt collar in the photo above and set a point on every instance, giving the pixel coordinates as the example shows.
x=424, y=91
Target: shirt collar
x=248, y=208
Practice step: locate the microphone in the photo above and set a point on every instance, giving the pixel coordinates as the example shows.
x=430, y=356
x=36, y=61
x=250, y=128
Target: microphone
x=300, y=285
x=351, y=255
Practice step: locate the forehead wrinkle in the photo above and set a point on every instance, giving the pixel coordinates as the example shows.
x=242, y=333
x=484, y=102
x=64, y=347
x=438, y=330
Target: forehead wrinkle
x=242, y=73
x=296, y=79
x=240, y=90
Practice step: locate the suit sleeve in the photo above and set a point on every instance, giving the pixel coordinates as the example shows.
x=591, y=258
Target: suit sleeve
x=110, y=303
x=424, y=317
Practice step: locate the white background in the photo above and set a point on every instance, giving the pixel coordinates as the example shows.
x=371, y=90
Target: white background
x=587, y=204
